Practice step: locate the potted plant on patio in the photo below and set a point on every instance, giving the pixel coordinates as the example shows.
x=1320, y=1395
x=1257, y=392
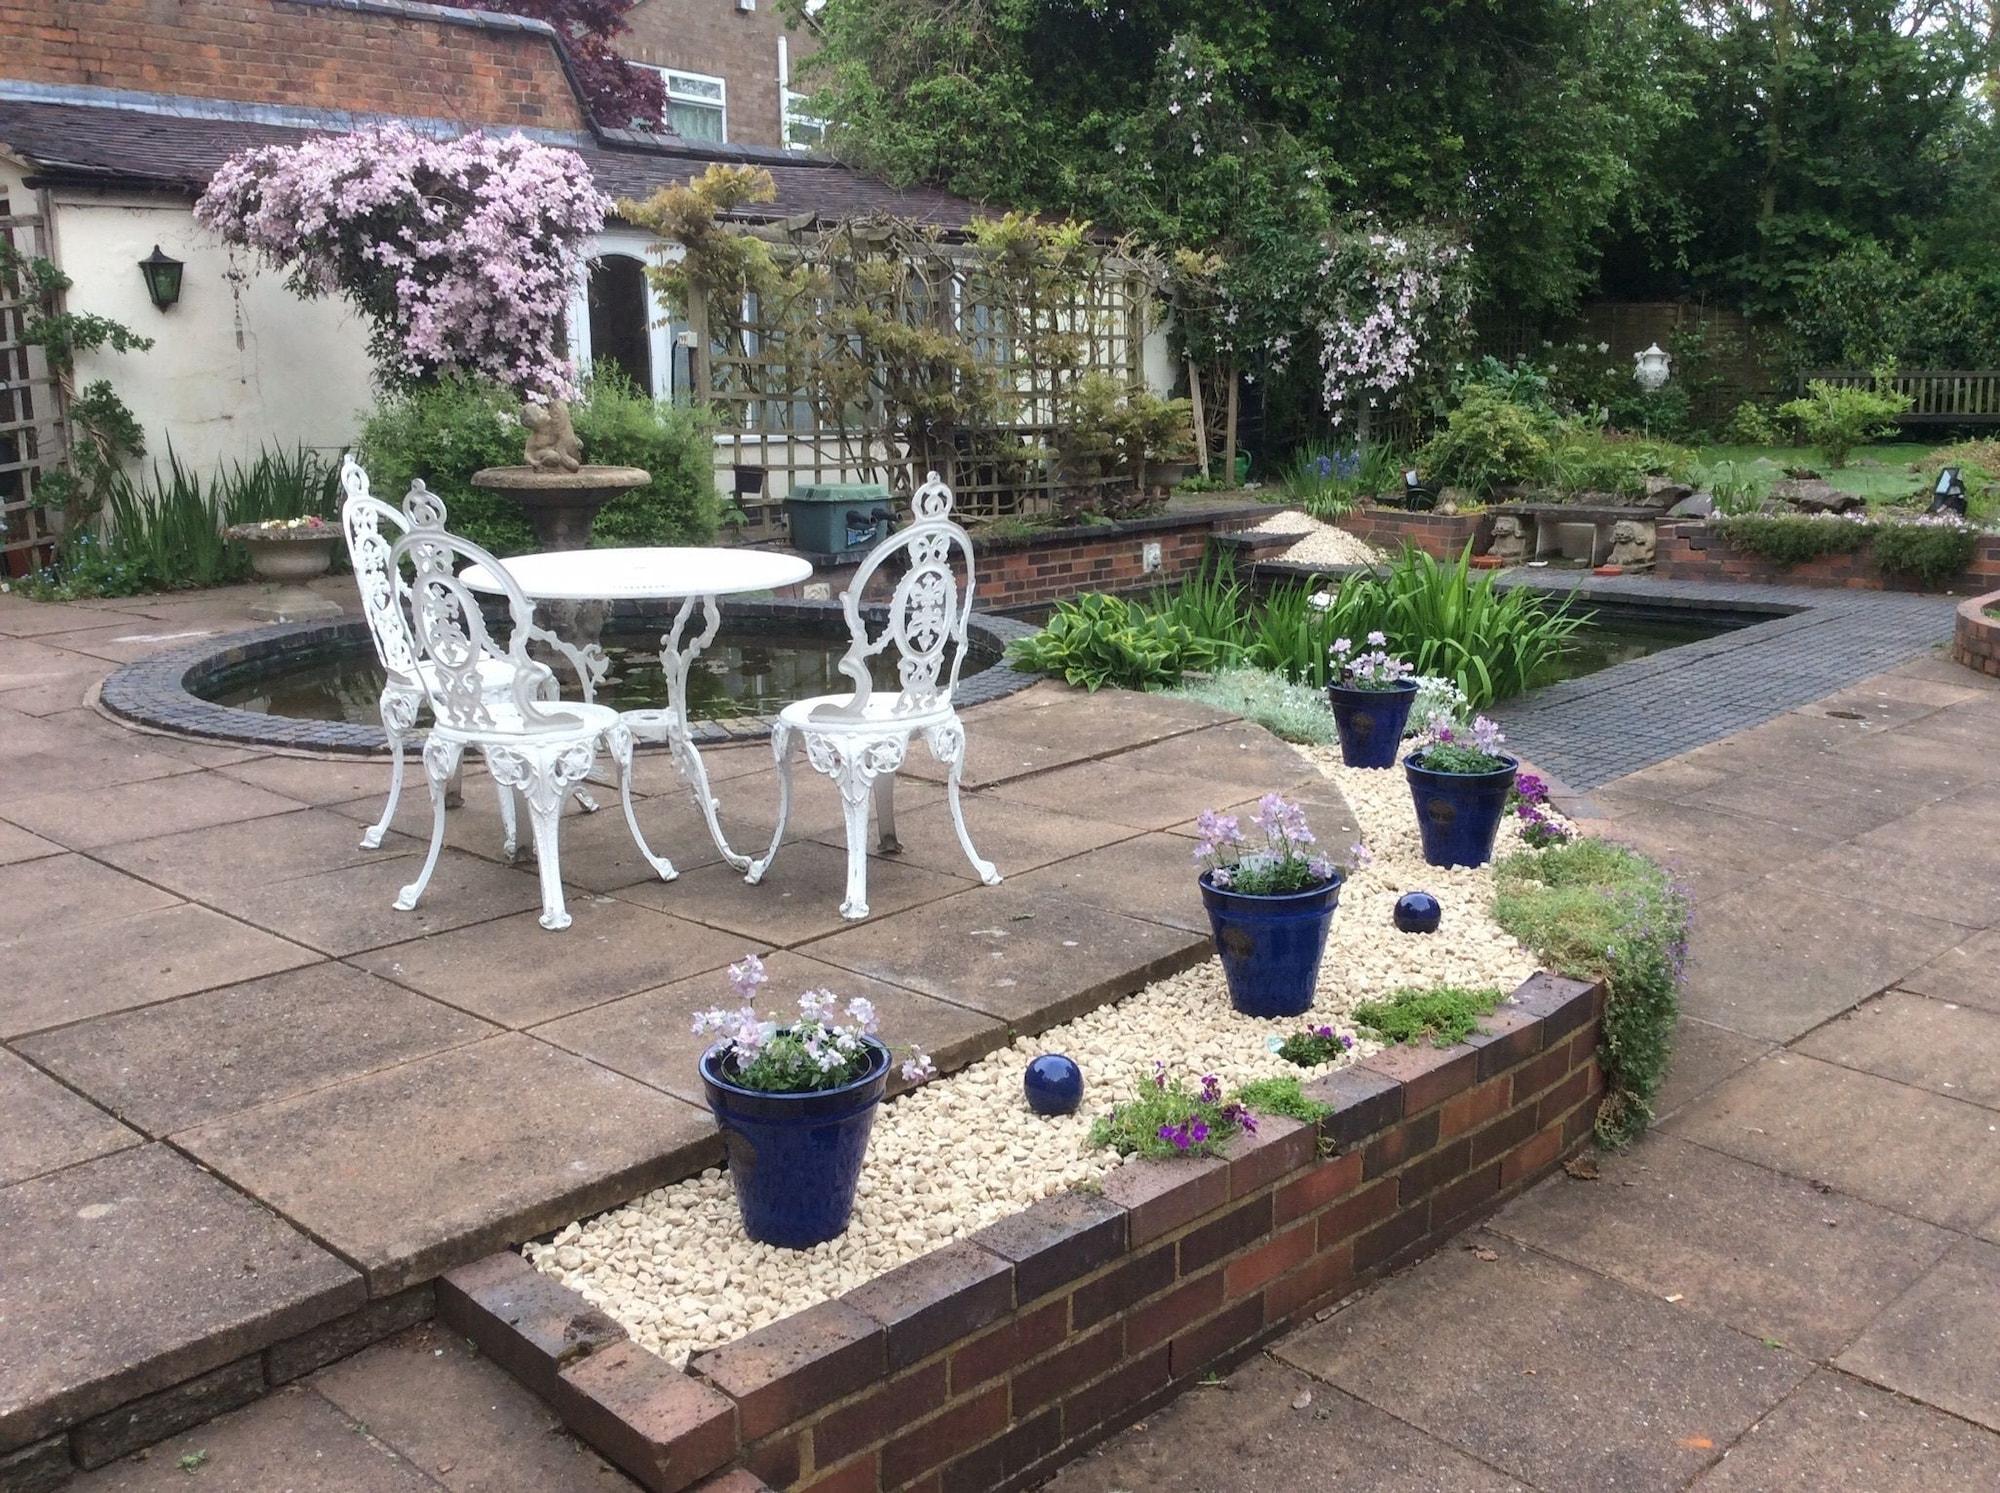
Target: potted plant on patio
x=795, y=1104
x=1371, y=694
x=1269, y=905
x=285, y=553
x=1460, y=780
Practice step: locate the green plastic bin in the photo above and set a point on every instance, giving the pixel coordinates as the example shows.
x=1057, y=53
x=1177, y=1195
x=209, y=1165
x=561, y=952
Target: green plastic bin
x=838, y=518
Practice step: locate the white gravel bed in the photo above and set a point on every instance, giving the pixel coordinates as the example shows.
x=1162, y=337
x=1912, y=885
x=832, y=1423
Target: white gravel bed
x=675, y=1269
x=1320, y=543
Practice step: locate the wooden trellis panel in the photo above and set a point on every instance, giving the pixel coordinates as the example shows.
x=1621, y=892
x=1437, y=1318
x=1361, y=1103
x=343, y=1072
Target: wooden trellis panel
x=30, y=409
x=752, y=382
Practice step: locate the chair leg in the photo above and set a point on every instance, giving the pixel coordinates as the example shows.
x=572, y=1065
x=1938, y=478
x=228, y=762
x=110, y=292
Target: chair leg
x=583, y=800
x=854, y=795
x=547, y=824
x=886, y=842
x=371, y=837
x=781, y=750
x=441, y=760
x=510, y=843
x=947, y=744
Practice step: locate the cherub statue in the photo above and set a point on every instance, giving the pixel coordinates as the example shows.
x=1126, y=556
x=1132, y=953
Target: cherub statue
x=552, y=442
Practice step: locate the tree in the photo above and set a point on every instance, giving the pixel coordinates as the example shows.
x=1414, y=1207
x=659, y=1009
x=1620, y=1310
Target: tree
x=617, y=93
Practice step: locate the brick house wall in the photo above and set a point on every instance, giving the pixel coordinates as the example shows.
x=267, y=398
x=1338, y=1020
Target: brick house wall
x=369, y=56
x=740, y=47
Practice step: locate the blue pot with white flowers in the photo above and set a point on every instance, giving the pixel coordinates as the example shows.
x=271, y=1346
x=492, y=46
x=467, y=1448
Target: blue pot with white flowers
x=1459, y=781
x=795, y=1104
x=1270, y=905
x=1371, y=694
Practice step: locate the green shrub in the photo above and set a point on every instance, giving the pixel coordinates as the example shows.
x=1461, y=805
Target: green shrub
x=1289, y=711
x=1596, y=911
x=1931, y=554
x=1095, y=640
x=1737, y=487
x=446, y=431
x=1489, y=439
x=1838, y=417
x=1442, y=1014
x=1750, y=425
x=1790, y=538
x=1662, y=412
x=1592, y=461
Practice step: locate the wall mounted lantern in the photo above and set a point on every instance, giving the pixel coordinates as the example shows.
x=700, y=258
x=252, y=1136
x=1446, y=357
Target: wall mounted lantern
x=162, y=273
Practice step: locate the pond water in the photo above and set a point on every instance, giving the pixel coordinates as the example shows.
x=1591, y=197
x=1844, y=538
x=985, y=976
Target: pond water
x=747, y=670
x=1613, y=639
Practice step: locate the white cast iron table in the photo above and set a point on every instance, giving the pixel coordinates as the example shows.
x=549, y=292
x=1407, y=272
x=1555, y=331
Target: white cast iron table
x=693, y=577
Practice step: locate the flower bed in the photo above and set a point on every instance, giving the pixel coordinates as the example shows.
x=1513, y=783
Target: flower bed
x=675, y=1269
x=1843, y=556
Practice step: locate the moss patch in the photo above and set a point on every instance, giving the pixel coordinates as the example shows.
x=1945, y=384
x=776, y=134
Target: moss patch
x=1443, y=1013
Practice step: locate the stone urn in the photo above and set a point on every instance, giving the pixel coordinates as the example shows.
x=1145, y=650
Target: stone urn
x=285, y=554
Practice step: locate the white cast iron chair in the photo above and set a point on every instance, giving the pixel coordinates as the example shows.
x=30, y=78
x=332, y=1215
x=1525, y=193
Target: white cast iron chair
x=372, y=528
x=859, y=740
x=534, y=742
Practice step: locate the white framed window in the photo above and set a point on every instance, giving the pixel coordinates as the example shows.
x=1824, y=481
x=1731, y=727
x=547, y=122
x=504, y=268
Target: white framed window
x=697, y=105
x=797, y=128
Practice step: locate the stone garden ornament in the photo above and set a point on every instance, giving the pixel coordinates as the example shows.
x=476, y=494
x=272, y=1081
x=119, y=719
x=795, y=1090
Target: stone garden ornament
x=860, y=740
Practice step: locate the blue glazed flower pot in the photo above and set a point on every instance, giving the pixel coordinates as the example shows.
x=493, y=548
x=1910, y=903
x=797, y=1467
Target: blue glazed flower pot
x=1417, y=912
x=795, y=1159
x=1271, y=945
x=1053, y=1085
x=1458, y=813
x=1371, y=721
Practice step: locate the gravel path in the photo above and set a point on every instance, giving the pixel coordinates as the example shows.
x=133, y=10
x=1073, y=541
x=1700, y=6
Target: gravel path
x=675, y=1269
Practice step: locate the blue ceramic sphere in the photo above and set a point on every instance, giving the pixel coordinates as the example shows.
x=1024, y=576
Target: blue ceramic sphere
x=1054, y=1085
x=1417, y=912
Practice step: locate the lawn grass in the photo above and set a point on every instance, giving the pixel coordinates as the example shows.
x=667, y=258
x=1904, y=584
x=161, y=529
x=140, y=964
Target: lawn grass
x=1881, y=474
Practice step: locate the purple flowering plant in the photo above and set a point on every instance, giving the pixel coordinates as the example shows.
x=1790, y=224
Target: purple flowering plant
x=823, y=1047
x=1173, y=1117
x=1287, y=860
x=1375, y=669
x=1449, y=745
x=1316, y=1045
x=1539, y=826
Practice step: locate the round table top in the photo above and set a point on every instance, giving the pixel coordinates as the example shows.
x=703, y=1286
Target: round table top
x=659, y=574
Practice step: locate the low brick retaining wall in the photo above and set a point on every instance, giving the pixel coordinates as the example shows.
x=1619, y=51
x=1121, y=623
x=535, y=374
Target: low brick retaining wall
x=1444, y=535
x=986, y=1364
x=1695, y=552
x=1975, y=637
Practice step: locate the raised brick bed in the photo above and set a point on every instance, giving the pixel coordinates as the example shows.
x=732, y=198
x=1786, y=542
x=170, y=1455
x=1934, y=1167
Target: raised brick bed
x=1444, y=535
x=987, y=1363
x=1693, y=551
x=1975, y=637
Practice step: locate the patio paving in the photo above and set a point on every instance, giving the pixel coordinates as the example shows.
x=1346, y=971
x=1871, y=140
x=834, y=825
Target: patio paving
x=214, y=1001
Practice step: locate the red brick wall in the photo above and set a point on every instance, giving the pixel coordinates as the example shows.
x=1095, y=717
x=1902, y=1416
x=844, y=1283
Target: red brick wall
x=986, y=1364
x=1444, y=535
x=1695, y=552
x=1975, y=638
x=284, y=52
x=714, y=37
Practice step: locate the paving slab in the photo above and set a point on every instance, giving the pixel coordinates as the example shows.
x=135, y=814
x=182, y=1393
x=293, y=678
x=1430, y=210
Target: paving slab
x=1968, y=973
x=461, y=1418
x=1946, y=764
x=90, y=817
x=1941, y=1342
x=1750, y=946
x=156, y=956
x=126, y=1274
x=1120, y=793
x=69, y=891
x=1788, y=792
x=1150, y=876
x=28, y=665
x=257, y=854
x=1497, y=1358
x=1683, y=838
x=1916, y=1039
x=650, y=1037
x=353, y=909
x=327, y=780
x=292, y=1441
x=1016, y=838
x=412, y=1170
x=1031, y=959
x=1893, y=1145
x=1838, y=1435
x=503, y=971
x=1766, y=1254
x=1956, y=834
x=18, y=845
x=47, y=1126
x=1937, y=884
x=22, y=618
x=176, y=1065
x=799, y=897
x=1248, y=756
x=1272, y=1428
x=1703, y=1056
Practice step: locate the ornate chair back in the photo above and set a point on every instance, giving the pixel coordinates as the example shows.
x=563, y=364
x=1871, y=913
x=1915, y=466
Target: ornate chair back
x=928, y=612
x=451, y=636
x=372, y=528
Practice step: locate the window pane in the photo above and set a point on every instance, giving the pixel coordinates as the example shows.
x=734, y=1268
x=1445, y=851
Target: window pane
x=687, y=85
x=694, y=121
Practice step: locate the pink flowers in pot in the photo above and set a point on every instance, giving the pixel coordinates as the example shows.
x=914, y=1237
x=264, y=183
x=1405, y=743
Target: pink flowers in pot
x=824, y=1047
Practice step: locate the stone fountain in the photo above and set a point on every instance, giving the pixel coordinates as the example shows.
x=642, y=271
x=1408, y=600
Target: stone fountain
x=560, y=497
